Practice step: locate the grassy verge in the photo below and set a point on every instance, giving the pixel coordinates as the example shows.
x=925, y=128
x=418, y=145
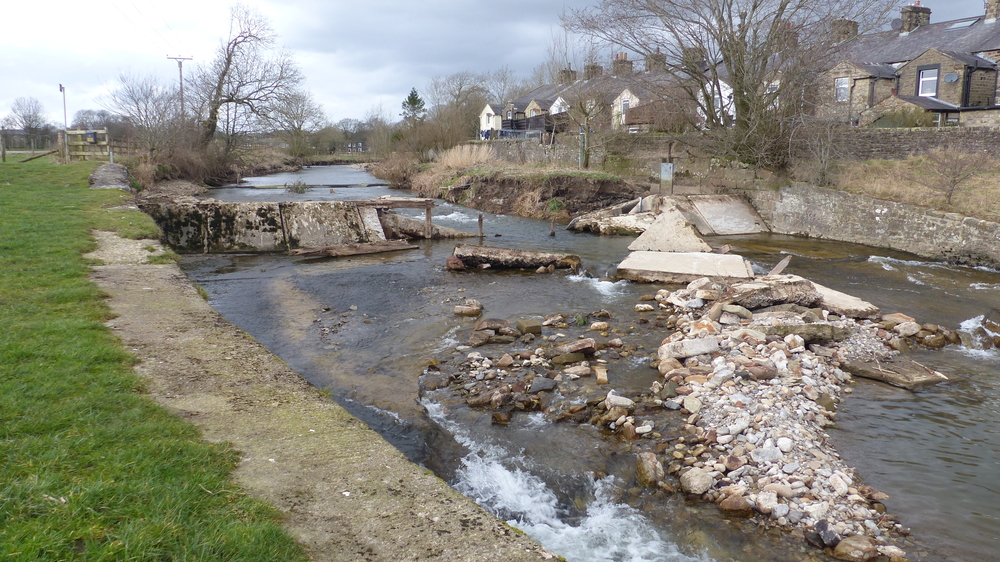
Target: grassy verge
x=89, y=468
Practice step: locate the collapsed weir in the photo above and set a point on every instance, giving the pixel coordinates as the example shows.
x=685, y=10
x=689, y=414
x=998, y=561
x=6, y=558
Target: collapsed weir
x=190, y=225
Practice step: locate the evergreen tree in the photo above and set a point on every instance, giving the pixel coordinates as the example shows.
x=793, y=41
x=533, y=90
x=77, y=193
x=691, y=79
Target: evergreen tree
x=413, y=108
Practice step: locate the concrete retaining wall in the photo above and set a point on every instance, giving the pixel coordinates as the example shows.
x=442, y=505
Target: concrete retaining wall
x=194, y=226
x=806, y=210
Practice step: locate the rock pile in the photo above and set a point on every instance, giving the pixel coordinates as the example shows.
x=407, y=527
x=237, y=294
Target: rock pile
x=751, y=374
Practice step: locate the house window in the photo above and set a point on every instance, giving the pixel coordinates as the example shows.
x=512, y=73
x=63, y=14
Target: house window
x=625, y=104
x=510, y=115
x=927, y=82
x=841, y=89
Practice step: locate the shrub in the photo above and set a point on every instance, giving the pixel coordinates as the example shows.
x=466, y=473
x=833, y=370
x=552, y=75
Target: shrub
x=467, y=156
x=398, y=170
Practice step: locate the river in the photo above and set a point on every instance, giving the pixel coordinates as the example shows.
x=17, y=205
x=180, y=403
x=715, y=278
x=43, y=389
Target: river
x=365, y=327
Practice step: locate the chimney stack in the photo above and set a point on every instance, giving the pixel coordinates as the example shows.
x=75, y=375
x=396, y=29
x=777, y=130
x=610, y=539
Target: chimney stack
x=657, y=62
x=592, y=70
x=621, y=65
x=844, y=30
x=992, y=10
x=567, y=75
x=914, y=16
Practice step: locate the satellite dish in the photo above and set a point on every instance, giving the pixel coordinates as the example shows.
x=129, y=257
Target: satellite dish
x=896, y=24
x=951, y=77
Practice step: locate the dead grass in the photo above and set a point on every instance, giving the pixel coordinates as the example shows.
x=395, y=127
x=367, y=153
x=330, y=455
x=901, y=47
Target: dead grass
x=467, y=156
x=890, y=179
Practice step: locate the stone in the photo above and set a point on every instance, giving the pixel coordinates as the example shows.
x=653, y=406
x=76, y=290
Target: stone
x=643, y=307
x=539, y=384
x=819, y=332
x=477, y=339
x=682, y=267
x=779, y=510
x=616, y=343
x=529, y=326
x=785, y=444
x=494, y=324
x=586, y=346
x=766, y=501
x=827, y=533
x=505, y=361
x=897, y=318
x=696, y=481
x=599, y=327
x=692, y=404
x=568, y=358
x=733, y=462
x=846, y=305
x=897, y=371
x=668, y=364
x=907, y=329
x=688, y=348
x=601, y=374
x=738, y=311
x=462, y=310
x=840, y=487
x=614, y=400
x=856, y=548
x=782, y=490
x=648, y=470
x=501, y=417
x=736, y=504
x=454, y=263
x=763, y=455
x=579, y=371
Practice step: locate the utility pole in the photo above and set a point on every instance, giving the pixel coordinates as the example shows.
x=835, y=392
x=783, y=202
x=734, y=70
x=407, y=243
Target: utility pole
x=180, y=70
x=65, y=119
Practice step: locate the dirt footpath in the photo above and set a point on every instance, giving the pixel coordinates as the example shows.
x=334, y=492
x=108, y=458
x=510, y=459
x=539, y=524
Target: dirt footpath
x=345, y=492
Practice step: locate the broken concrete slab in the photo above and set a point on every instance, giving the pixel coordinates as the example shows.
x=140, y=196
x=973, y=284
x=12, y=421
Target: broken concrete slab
x=896, y=371
x=682, y=267
x=770, y=290
x=688, y=348
x=728, y=214
x=670, y=232
x=846, y=305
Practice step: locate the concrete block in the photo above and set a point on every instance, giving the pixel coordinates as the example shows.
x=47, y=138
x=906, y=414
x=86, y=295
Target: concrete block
x=682, y=267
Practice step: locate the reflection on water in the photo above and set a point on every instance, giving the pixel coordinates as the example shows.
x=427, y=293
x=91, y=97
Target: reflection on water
x=936, y=452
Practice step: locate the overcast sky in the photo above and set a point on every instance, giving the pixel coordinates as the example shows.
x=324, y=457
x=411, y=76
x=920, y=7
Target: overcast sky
x=355, y=54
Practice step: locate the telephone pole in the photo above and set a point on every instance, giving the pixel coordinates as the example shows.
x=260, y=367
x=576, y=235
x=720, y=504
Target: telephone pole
x=180, y=69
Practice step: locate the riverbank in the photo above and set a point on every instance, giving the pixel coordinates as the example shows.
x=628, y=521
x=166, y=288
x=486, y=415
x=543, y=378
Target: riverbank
x=343, y=492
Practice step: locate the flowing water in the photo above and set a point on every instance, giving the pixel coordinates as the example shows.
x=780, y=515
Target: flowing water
x=365, y=327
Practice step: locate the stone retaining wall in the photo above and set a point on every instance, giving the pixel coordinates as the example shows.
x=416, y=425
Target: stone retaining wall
x=531, y=151
x=806, y=210
x=194, y=226
x=896, y=144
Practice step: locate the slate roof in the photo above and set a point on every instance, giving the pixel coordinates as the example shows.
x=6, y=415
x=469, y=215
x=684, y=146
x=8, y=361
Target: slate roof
x=933, y=104
x=877, y=70
x=889, y=47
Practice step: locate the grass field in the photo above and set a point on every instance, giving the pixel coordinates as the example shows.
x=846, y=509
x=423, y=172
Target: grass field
x=90, y=469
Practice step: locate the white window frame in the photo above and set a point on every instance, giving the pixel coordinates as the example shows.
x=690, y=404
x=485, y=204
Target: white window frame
x=841, y=89
x=927, y=82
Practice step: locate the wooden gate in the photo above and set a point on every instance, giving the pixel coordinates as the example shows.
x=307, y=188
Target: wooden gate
x=85, y=145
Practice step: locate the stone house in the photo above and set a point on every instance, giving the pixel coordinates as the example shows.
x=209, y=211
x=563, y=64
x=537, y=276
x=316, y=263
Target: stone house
x=948, y=68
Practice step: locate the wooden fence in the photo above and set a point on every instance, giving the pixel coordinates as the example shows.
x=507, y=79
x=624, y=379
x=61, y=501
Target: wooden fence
x=85, y=145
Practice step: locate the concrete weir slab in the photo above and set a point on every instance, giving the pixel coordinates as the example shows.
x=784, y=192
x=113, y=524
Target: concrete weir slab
x=670, y=233
x=720, y=214
x=682, y=267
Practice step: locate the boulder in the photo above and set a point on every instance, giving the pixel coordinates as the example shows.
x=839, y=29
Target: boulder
x=648, y=469
x=688, y=348
x=696, y=481
x=897, y=371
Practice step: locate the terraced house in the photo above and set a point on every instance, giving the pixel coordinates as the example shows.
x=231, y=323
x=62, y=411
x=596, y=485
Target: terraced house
x=947, y=70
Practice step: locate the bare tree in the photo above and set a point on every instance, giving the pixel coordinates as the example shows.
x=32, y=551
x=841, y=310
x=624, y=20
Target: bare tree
x=502, y=85
x=148, y=107
x=947, y=169
x=245, y=81
x=751, y=60
x=296, y=120
x=28, y=115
